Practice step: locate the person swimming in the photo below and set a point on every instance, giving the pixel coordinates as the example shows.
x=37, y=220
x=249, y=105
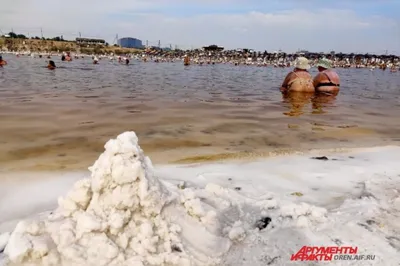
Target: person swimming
x=186, y=60
x=68, y=57
x=299, y=79
x=51, y=65
x=126, y=61
x=95, y=60
x=2, y=61
x=326, y=80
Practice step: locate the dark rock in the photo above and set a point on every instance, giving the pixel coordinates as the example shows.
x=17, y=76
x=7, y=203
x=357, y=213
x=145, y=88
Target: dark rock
x=230, y=179
x=176, y=248
x=263, y=223
x=238, y=188
x=323, y=158
x=371, y=222
x=351, y=157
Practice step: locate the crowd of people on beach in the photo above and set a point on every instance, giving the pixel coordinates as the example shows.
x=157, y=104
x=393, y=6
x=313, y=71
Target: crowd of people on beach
x=242, y=58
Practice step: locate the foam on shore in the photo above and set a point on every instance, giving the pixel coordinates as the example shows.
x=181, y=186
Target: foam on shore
x=127, y=213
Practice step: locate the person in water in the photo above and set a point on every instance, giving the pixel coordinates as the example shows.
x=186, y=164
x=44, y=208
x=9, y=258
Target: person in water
x=68, y=57
x=186, y=60
x=327, y=80
x=299, y=79
x=2, y=62
x=51, y=65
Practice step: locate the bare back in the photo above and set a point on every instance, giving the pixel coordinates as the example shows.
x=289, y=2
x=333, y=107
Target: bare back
x=299, y=81
x=327, y=81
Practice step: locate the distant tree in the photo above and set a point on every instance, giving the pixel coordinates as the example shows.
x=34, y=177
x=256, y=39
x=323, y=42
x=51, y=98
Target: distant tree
x=106, y=44
x=116, y=45
x=13, y=35
x=21, y=36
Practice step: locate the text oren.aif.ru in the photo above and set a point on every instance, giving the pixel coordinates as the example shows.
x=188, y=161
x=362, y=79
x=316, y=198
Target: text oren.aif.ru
x=307, y=253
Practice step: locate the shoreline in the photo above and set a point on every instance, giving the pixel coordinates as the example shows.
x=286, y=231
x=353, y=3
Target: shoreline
x=33, y=180
x=350, y=186
x=202, y=158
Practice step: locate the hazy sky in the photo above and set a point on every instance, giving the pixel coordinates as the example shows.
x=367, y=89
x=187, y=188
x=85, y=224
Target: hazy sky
x=315, y=25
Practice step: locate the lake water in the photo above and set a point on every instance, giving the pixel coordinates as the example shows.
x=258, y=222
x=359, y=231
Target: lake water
x=60, y=120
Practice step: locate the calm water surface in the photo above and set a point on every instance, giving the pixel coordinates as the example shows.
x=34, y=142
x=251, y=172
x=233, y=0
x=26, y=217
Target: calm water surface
x=53, y=120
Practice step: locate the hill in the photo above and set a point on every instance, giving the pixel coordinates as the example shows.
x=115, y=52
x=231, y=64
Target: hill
x=51, y=46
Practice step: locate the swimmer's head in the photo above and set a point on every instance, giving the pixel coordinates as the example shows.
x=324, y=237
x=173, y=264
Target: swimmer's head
x=324, y=64
x=52, y=64
x=1, y=57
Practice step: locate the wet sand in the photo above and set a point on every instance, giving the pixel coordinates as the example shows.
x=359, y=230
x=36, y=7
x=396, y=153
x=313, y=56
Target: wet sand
x=60, y=120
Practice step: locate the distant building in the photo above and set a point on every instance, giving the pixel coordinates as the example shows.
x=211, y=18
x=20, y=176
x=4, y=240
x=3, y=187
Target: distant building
x=130, y=43
x=213, y=48
x=90, y=41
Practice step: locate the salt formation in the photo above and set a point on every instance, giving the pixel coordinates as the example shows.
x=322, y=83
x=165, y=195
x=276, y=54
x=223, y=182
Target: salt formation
x=123, y=215
x=114, y=218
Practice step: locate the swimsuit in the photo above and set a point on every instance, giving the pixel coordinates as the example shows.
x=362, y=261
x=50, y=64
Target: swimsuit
x=303, y=81
x=327, y=84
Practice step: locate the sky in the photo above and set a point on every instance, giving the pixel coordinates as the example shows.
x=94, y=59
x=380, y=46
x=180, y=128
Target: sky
x=360, y=26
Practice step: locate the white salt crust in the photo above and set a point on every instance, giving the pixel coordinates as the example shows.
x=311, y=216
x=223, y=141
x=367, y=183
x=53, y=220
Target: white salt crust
x=124, y=215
